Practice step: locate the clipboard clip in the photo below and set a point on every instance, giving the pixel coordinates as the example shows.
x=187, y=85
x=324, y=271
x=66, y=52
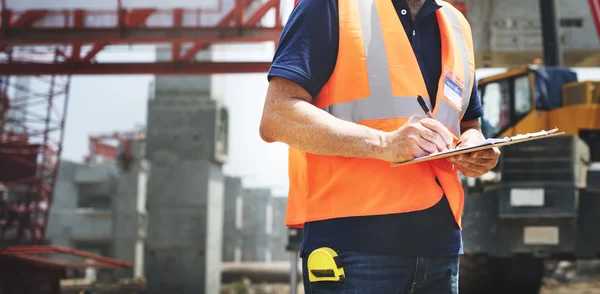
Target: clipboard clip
x=531, y=135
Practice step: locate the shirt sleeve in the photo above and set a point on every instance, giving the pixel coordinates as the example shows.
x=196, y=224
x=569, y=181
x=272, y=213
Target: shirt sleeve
x=475, y=110
x=308, y=46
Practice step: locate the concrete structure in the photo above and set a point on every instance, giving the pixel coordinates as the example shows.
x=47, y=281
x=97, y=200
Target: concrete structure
x=508, y=32
x=280, y=231
x=129, y=215
x=80, y=216
x=186, y=146
x=257, y=226
x=101, y=209
x=232, y=220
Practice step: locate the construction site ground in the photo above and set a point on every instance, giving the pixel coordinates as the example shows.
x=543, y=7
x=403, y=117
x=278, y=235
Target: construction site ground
x=551, y=287
x=561, y=278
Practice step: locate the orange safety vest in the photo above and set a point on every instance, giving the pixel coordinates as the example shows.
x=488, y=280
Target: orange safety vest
x=375, y=83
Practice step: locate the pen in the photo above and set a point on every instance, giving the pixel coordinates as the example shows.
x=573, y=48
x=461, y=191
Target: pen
x=426, y=110
x=424, y=106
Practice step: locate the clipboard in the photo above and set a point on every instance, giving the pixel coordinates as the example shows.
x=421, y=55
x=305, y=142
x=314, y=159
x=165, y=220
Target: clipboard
x=487, y=144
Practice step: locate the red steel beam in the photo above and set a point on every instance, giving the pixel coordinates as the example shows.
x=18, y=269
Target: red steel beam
x=157, y=68
x=135, y=18
x=30, y=252
x=27, y=18
x=199, y=46
x=177, y=22
x=260, y=13
x=35, y=36
x=79, y=23
x=595, y=10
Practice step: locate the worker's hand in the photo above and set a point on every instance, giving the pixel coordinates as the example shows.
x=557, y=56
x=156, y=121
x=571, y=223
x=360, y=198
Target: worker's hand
x=419, y=136
x=477, y=163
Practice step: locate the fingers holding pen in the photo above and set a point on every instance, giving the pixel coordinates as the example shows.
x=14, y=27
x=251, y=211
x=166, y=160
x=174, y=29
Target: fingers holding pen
x=439, y=129
x=432, y=139
x=417, y=137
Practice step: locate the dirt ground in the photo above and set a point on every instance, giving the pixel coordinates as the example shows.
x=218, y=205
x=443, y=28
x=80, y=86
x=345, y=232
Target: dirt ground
x=562, y=278
x=551, y=286
x=582, y=277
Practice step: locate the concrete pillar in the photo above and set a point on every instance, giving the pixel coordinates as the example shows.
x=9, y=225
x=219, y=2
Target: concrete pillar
x=129, y=215
x=59, y=228
x=186, y=146
x=256, y=225
x=232, y=221
x=280, y=232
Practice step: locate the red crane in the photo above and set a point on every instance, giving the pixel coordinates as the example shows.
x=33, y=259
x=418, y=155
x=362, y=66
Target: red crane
x=99, y=147
x=33, y=108
x=32, y=121
x=84, y=34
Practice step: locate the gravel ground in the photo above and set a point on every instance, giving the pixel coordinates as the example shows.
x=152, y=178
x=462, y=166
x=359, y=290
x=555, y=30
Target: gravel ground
x=582, y=277
x=562, y=278
x=551, y=286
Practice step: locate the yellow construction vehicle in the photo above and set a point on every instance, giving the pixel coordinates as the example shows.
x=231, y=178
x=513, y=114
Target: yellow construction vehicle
x=542, y=200
x=534, y=98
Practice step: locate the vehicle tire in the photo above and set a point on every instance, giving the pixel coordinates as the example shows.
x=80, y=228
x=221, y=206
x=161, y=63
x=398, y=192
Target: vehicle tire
x=482, y=274
x=520, y=274
x=473, y=276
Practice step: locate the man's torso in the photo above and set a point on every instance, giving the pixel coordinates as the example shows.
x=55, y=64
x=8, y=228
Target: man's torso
x=431, y=232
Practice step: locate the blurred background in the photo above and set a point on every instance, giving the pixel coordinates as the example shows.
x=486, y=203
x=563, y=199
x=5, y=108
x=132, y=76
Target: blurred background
x=130, y=160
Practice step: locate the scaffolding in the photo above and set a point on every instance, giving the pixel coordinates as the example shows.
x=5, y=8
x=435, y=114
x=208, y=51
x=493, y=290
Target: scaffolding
x=35, y=74
x=188, y=32
x=31, y=133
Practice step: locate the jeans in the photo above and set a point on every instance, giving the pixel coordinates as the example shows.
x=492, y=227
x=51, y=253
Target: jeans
x=373, y=273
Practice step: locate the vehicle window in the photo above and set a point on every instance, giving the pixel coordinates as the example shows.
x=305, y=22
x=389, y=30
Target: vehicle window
x=522, y=92
x=496, y=107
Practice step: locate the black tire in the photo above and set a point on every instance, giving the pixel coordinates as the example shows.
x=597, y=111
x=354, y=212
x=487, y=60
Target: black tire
x=473, y=276
x=521, y=274
x=515, y=275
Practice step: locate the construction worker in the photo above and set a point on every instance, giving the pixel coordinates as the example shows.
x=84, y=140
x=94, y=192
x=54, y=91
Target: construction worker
x=343, y=91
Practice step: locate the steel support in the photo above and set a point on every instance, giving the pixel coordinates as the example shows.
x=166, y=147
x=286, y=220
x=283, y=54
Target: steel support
x=550, y=42
x=294, y=273
x=84, y=34
x=30, y=148
x=595, y=10
x=157, y=68
x=49, y=36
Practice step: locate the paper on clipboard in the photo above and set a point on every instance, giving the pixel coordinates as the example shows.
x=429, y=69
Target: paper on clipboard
x=487, y=144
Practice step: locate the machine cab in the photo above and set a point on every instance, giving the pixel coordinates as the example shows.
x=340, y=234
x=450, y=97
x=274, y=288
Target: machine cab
x=506, y=99
x=534, y=98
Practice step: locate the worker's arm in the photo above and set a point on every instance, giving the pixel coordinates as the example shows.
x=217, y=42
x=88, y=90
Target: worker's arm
x=291, y=118
x=477, y=163
x=303, y=63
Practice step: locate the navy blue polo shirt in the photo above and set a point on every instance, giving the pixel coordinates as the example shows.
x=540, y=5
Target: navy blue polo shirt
x=307, y=55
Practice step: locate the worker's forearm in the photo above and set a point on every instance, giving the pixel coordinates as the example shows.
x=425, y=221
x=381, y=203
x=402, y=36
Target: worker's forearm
x=303, y=126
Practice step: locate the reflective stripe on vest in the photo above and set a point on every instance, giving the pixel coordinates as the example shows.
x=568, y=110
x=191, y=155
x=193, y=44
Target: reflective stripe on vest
x=382, y=104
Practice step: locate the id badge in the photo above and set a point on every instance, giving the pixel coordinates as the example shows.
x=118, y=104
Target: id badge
x=453, y=88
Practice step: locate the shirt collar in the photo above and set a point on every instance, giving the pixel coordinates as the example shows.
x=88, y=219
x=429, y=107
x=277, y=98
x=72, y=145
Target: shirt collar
x=429, y=6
